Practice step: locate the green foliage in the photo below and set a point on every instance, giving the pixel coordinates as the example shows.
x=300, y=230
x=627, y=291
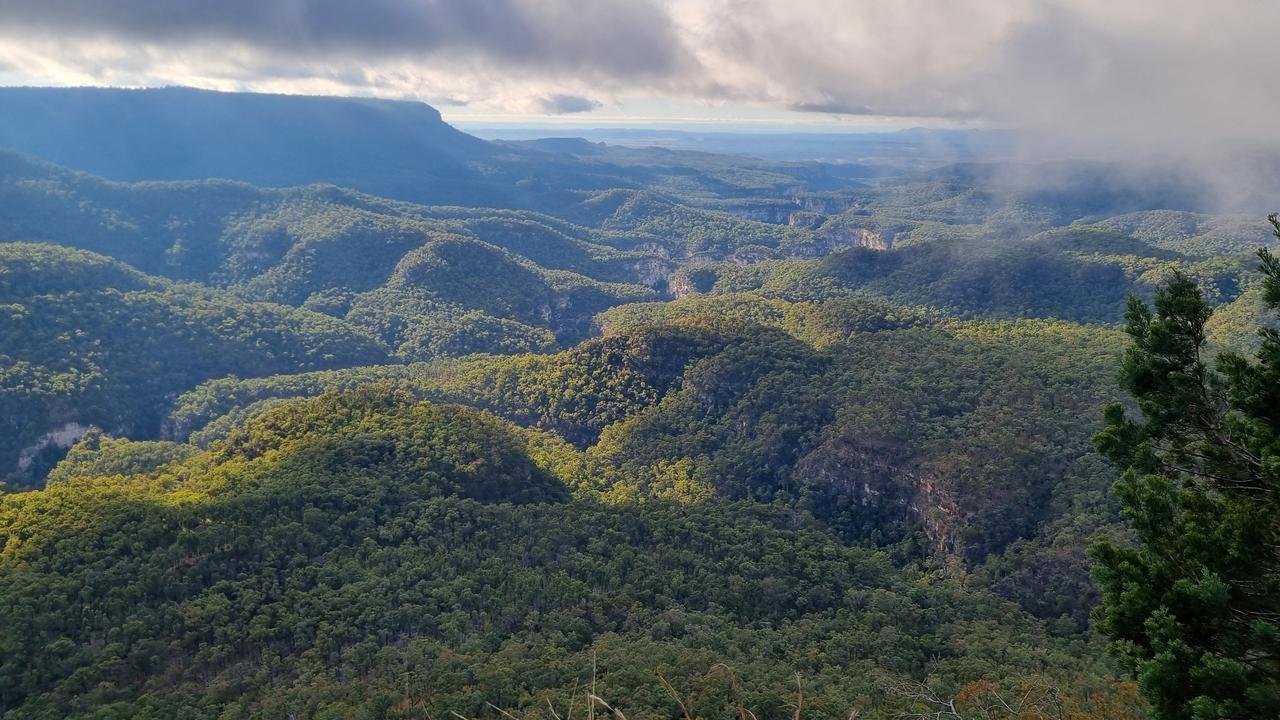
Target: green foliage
x=956, y=440
x=455, y=272
x=420, y=327
x=741, y=308
x=1192, y=609
x=575, y=393
x=817, y=323
x=961, y=435
x=97, y=455
x=1190, y=233
x=359, y=550
x=1075, y=273
x=431, y=281
x=1234, y=326
x=98, y=354
x=859, y=433
x=684, y=231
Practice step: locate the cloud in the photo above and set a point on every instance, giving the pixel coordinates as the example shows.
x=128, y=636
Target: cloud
x=631, y=38
x=832, y=107
x=1078, y=76
x=565, y=104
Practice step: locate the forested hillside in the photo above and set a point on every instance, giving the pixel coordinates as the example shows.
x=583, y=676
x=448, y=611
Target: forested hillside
x=427, y=426
x=88, y=341
x=372, y=555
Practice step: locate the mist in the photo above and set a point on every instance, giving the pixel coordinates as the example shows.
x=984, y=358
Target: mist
x=1157, y=85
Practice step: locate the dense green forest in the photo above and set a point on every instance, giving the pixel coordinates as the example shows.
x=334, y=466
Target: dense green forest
x=89, y=341
x=378, y=556
x=562, y=427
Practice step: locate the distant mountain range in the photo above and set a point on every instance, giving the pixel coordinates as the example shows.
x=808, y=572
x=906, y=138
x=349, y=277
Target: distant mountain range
x=405, y=151
x=319, y=407
x=915, y=148
x=394, y=149
x=400, y=149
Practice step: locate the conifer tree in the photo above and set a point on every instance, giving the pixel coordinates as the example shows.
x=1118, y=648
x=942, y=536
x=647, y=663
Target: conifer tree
x=1193, y=609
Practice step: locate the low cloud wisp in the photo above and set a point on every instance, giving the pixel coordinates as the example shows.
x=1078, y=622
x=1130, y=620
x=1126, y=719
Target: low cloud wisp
x=1139, y=78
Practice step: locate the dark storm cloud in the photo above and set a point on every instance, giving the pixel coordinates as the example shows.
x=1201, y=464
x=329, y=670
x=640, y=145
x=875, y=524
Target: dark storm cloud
x=634, y=38
x=564, y=104
x=833, y=107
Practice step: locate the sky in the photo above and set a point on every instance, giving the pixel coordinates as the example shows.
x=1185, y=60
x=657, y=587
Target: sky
x=1100, y=75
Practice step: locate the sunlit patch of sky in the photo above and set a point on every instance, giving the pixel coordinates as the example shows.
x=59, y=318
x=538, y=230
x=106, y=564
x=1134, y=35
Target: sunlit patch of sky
x=668, y=113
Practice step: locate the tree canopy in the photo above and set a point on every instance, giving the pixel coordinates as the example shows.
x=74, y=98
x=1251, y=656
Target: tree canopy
x=1193, y=609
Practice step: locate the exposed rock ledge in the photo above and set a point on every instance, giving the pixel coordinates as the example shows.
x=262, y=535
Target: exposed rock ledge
x=836, y=238
x=63, y=436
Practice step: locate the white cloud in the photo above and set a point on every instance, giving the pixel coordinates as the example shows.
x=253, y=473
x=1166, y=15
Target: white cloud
x=1101, y=75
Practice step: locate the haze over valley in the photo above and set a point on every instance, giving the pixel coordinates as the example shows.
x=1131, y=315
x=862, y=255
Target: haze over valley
x=649, y=360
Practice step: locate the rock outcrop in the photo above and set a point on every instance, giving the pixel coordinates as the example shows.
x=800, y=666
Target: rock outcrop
x=62, y=437
x=835, y=238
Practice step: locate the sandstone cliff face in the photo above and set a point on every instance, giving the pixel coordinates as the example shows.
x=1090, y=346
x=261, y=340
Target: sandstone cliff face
x=837, y=238
x=865, y=473
x=806, y=219
x=824, y=204
x=26, y=466
x=832, y=239
x=869, y=485
x=62, y=436
x=750, y=255
x=653, y=248
x=939, y=512
x=652, y=272
x=681, y=285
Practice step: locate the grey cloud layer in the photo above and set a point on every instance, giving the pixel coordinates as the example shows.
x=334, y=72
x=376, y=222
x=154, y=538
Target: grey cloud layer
x=566, y=104
x=1080, y=73
x=632, y=38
